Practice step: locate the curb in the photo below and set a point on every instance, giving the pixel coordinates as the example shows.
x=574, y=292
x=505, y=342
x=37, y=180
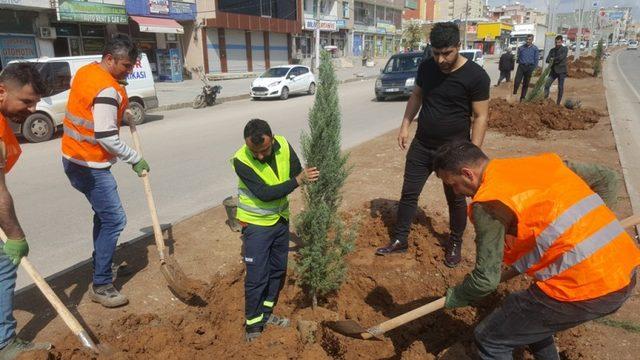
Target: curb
x=221, y=100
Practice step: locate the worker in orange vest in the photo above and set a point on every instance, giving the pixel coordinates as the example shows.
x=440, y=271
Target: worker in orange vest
x=547, y=218
x=20, y=90
x=91, y=145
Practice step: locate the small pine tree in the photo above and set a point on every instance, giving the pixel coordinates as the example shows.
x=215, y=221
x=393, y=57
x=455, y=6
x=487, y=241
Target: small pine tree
x=537, y=92
x=412, y=35
x=597, y=61
x=325, y=241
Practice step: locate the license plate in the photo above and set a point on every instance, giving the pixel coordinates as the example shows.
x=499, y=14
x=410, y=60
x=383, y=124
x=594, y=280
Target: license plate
x=260, y=93
x=392, y=90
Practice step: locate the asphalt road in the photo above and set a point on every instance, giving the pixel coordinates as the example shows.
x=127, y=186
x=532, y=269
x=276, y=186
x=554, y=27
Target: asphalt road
x=188, y=151
x=629, y=61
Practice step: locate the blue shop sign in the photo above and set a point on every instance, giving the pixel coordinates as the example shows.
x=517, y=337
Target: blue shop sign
x=176, y=10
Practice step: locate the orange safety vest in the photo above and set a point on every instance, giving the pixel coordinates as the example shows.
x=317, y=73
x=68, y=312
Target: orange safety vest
x=567, y=239
x=11, y=145
x=79, y=144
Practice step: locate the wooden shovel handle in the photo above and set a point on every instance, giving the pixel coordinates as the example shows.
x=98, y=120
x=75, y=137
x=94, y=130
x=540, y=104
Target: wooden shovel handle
x=407, y=317
x=157, y=230
x=630, y=221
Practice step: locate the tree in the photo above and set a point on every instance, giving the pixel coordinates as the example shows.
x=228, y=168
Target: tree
x=537, y=93
x=412, y=35
x=597, y=61
x=325, y=241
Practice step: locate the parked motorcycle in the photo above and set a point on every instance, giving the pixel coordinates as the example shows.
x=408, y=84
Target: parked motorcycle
x=209, y=92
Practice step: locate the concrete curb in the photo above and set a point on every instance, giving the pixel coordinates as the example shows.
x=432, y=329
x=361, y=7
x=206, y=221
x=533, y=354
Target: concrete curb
x=221, y=100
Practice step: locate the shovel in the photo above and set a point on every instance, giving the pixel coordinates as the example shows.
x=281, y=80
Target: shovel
x=186, y=289
x=353, y=329
x=54, y=300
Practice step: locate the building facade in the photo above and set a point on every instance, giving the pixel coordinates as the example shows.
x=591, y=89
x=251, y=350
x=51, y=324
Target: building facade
x=377, y=27
x=517, y=14
x=449, y=10
x=335, y=21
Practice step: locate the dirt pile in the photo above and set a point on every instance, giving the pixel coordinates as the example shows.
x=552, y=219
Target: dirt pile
x=376, y=289
x=533, y=119
x=580, y=69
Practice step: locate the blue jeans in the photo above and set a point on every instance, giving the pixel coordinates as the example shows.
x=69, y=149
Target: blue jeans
x=7, y=285
x=109, y=219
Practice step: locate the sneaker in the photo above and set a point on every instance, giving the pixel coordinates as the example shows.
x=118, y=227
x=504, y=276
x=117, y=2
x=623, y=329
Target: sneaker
x=452, y=254
x=278, y=321
x=252, y=332
x=394, y=247
x=107, y=296
x=17, y=346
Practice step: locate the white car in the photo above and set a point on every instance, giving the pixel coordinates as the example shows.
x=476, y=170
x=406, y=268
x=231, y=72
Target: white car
x=280, y=81
x=633, y=45
x=623, y=41
x=474, y=55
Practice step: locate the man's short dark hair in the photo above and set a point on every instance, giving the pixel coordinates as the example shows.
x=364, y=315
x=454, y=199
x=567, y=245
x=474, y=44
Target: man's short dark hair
x=559, y=37
x=530, y=36
x=256, y=129
x=121, y=47
x=444, y=35
x=24, y=73
x=455, y=155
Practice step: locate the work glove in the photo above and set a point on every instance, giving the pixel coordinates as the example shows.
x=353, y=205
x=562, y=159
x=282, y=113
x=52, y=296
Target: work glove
x=16, y=249
x=141, y=166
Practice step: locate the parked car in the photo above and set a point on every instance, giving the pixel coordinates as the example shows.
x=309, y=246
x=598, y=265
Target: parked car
x=58, y=72
x=474, y=55
x=281, y=81
x=623, y=41
x=398, y=76
x=632, y=45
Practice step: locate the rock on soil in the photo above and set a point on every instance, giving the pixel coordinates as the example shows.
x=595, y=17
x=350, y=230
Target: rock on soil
x=533, y=119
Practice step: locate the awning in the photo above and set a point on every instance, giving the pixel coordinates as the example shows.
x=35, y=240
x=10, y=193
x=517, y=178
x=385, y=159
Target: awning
x=156, y=25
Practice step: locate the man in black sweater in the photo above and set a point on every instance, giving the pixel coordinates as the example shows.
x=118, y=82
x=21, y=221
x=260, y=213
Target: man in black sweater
x=449, y=92
x=557, y=59
x=506, y=65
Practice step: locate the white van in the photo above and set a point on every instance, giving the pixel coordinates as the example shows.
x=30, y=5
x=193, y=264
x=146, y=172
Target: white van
x=59, y=72
x=474, y=55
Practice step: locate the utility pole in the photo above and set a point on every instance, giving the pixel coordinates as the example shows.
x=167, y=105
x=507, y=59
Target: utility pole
x=579, y=32
x=466, y=18
x=317, y=34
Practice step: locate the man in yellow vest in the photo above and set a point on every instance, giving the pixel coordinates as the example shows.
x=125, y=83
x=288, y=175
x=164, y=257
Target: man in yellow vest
x=20, y=90
x=91, y=145
x=268, y=171
x=549, y=219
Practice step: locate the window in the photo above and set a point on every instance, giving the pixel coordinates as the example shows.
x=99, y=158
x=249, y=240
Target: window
x=280, y=9
x=302, y=70
x=403, y=63
x=345, y=9
x=56, y=75
x=363, y=14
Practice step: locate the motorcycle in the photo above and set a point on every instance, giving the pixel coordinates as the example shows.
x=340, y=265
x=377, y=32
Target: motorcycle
x=209, y=92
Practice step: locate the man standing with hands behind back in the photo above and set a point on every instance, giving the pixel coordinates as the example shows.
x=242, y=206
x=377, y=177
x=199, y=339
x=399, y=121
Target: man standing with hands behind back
x=450, y=91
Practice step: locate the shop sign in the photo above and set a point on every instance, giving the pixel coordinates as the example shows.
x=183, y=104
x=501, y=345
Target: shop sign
x=341, y=24
x=182, y=8
x=383, y=28
x=42, y=4
x=16, y=48
x=411, y=4
x=92, y=11
x=325, y=25
x=159, y=6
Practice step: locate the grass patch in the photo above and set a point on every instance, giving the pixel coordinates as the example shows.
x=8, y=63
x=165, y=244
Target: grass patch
x=625, y=325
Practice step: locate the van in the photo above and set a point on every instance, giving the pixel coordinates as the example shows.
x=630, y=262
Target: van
x=474, y=55
x=58, y=74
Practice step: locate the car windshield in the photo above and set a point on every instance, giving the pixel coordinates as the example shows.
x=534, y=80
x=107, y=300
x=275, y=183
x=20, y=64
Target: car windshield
x=403, y=63
x=468, y=55
x=275, y=73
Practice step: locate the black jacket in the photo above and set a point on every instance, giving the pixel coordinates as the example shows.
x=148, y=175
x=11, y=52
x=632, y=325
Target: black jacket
x=507, y=62
x=559, y=56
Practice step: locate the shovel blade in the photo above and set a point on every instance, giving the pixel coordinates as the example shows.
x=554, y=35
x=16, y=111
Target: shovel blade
x=185, y=288
x=350, y=328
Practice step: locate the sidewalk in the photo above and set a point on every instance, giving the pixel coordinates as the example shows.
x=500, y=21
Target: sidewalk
x=180, y=95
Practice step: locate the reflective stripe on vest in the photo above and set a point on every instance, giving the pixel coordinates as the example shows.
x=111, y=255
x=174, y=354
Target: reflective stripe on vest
x=259, y=211
x=85, y=123
x=77, y=136
x=546, y=238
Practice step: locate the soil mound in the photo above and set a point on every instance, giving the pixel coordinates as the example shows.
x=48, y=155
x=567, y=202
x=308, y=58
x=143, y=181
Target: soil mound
x=533, y=119
x=582, y=68
x=377, y=289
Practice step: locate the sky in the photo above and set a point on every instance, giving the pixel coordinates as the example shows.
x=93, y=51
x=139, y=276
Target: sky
x=570, y=5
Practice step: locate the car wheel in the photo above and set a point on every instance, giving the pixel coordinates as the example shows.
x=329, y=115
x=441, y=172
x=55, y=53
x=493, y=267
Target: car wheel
x=379, y=98
x=312, y=89
x=284, y=94
x=138, y=112
x=38, y=128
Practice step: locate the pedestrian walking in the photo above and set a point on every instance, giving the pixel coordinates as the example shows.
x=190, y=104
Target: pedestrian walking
x=557, y=59
x=91, y=145
x=21, y=87
x=557, y=228
x=268, y=171
x=452, y=94
x=505, y=66
x=528, y=56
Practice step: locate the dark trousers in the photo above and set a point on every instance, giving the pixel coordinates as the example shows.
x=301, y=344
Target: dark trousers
x=266, y=249
x=418, y=167
x=531, y=318
x=523, y=74
x=504, y=75
x=547, y=85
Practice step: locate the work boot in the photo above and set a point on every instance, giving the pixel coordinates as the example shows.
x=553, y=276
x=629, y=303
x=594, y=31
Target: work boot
x=17, y=346
x=394, y=247
x=452, y=255
x=252, y=332
x=107, y=296
x=277, y=321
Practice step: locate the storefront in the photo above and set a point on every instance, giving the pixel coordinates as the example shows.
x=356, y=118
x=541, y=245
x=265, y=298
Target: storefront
x=380, y=41
x=20, y=23
x=492, y=38
x=333, y=37
x=157, y=28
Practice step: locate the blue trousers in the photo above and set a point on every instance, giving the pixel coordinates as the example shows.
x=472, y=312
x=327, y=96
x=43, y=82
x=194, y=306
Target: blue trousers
x=100, y=188
x=266, y=250
x=7, y=285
